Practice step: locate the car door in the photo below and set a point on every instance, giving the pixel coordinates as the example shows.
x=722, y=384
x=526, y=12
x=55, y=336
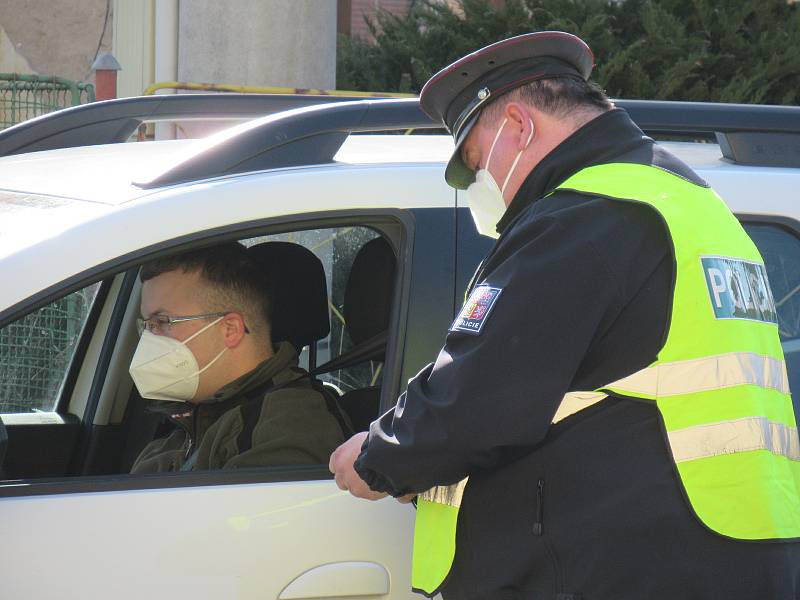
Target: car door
x=261, y=533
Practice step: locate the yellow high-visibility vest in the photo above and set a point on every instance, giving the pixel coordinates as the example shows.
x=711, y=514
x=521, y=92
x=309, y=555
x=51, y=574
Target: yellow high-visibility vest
x=719, y=381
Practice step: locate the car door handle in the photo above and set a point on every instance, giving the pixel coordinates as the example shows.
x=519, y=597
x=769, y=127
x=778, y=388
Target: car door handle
x=339, y=580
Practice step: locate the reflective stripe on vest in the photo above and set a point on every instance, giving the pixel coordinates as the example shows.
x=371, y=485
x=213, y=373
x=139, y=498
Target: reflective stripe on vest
x=719, y=381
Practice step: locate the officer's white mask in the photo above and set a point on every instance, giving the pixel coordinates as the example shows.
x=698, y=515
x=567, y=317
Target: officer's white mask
x=485, y=197
x=165, y=369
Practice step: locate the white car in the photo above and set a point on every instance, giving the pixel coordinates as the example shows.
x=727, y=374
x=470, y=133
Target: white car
x=80, y=212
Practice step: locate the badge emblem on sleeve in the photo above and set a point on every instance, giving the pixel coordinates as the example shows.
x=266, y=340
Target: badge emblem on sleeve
x=476, y=310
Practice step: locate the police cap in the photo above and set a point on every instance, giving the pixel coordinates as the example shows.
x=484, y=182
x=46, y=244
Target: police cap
x=457, y=94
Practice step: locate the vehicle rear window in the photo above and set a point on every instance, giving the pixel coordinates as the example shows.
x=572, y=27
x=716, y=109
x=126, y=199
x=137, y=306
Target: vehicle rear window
x=780, y=249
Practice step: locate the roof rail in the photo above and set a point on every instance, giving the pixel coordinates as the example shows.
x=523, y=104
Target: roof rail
x=747, y=134
x=114, y=121
x=313, y=135
x=305, y=136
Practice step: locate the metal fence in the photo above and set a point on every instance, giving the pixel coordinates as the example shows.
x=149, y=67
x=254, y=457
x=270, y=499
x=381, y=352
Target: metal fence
x=26, y=96
x=254, y=89
x=36, y=351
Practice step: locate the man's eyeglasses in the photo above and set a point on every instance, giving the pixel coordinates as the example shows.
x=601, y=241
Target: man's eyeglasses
x=160, y=324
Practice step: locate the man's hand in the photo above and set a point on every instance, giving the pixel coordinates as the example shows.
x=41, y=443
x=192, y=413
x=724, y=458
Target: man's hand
x=341, y=465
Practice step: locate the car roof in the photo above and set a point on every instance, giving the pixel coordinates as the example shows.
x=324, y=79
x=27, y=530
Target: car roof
x=117, y=199
x=101, y=174
x=107, y=174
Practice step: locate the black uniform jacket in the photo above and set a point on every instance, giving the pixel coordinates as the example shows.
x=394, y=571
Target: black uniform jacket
x=590, y=507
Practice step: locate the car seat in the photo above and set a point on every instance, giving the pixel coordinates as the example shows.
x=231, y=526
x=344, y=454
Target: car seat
x=367, y=306
x=298, y=294
x=295, y=279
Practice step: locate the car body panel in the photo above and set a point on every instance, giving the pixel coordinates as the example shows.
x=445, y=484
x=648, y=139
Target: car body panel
x=47, y=257
x=197, y=543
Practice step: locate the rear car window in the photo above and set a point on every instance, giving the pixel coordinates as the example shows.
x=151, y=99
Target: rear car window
x=780, y=249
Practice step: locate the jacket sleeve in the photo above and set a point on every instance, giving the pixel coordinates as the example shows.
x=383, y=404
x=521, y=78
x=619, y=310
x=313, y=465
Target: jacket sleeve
x=490, y=397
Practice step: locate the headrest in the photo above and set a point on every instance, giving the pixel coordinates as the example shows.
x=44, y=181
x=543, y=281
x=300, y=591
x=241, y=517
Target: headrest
x=298, y=291
x=368, y=295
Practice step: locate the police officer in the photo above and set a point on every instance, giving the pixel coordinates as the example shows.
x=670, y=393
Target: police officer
x=607, y=419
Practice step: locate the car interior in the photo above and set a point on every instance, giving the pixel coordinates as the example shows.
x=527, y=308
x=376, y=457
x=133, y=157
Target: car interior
x=331, y=292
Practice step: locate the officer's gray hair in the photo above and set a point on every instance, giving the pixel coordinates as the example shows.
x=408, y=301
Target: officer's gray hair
x=562, y=97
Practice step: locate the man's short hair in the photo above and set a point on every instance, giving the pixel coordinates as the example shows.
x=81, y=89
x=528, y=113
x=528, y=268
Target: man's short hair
x=234, y=282
x=562, y=97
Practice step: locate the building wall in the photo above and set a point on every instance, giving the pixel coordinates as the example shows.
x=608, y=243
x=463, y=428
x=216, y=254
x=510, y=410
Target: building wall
x=284, y=43
x=133, y=45
x=11, y=60
x=56, y=37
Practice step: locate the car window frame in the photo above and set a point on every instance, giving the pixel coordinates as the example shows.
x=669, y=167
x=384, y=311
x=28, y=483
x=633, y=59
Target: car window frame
x=396, y=225
x=61, y=403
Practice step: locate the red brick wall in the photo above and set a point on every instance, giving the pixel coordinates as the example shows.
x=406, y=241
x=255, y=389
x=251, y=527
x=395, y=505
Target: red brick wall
x=360, y=8
x=357, y=9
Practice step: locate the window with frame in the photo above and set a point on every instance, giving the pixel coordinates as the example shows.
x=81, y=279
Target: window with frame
x=36, y=352
x=780, y=249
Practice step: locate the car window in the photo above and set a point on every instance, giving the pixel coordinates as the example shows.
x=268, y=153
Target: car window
x=37, y=353
x=780, y=249
x=37, y=350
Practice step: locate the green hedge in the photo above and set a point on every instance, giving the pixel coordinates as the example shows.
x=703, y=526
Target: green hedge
x=712, y=50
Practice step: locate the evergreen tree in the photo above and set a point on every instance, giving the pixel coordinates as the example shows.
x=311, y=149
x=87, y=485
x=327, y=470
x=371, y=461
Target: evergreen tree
x=711, y=50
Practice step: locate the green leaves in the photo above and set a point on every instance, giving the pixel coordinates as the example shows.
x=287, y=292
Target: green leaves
x=712, y=50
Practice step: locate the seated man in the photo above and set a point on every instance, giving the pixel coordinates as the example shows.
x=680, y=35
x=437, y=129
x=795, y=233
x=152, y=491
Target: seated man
x=206, y=343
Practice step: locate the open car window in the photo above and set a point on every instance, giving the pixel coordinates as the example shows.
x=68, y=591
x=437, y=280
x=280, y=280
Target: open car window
x=40, y=354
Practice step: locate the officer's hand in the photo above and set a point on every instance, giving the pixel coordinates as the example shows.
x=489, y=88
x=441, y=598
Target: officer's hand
x=407, y=499
x=341, y=465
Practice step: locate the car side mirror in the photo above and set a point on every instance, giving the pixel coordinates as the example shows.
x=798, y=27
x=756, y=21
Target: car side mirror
x=3, y=445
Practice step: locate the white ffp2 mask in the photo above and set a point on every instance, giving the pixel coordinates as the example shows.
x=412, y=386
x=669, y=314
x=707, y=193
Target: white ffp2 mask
x=165, y=369
x=485, y=197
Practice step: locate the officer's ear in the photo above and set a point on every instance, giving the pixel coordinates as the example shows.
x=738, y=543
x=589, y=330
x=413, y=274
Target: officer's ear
x=520, y=119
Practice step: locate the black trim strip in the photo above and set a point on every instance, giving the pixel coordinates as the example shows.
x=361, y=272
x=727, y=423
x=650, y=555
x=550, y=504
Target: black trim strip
x=83, y=345
x=106, y=352
x=787, y=223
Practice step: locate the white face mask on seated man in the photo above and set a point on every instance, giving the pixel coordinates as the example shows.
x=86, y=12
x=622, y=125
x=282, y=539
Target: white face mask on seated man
x=164, y=368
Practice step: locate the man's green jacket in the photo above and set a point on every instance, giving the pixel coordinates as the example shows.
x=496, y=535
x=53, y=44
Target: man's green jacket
x=288, y=423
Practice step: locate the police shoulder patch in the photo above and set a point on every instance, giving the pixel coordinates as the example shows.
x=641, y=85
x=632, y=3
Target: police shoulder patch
x=476, y=310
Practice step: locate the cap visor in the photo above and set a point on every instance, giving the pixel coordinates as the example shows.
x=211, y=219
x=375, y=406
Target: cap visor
x=457, y=174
